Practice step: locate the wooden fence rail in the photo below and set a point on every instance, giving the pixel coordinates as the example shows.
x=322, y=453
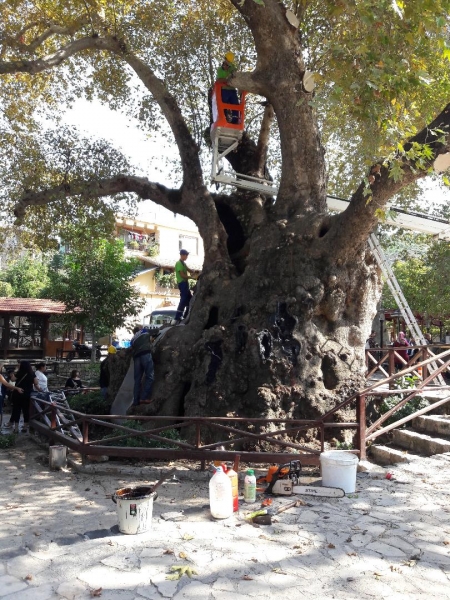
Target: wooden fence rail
x=255, y=440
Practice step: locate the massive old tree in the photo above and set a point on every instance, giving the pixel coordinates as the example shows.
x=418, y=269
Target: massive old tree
x=288, y=291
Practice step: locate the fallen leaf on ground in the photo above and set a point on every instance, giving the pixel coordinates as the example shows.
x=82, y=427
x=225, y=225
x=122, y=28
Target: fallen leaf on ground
x=183, y=555
x=96, y=593
x=28, y=577
x=408, y=563
x=168, y=551
x=279, y=571
x=187, y=537
x=179, y=571
x=247, y=578
x=331, y=546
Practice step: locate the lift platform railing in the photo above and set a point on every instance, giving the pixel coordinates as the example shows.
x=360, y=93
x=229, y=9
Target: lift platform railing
x=221, y=109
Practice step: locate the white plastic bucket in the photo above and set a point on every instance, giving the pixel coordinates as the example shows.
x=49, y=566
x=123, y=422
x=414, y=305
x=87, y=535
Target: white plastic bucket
x=134, y=509
x=339, y=469
x=57, y=457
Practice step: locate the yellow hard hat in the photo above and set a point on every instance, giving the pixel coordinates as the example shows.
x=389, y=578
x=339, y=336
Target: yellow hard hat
x=111, y=350
x=229, y=57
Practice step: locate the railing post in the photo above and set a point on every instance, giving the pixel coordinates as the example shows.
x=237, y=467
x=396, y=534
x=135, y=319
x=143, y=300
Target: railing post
x=85, y=431
x=198, y=441
x=425, y=367
x=361, y=419
x=53, y=416
x=85, y=440
x=391, y=363
x=322, y=436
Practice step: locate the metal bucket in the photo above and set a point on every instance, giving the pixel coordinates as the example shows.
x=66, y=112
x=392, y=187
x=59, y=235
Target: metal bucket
x=134, y=508
x=57, y=457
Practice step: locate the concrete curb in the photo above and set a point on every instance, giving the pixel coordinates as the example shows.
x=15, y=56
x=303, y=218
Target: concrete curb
x=147, y=473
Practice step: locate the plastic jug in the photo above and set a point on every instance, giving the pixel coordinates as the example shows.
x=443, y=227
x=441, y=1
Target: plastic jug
x=231, y=473
x=220, y=495
x=218, y=463
x=250, y=486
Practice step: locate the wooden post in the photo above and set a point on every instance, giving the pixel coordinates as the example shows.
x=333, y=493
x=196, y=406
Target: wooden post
x=391, y=363
x=85, y=428
x=6, y=334
x=425, y=367
x=53, y=415
x=237, y=460
x=198, y=442
x=45, y=334
x=361, y=419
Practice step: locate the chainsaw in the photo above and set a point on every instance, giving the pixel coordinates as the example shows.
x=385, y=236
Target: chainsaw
x=285, y=482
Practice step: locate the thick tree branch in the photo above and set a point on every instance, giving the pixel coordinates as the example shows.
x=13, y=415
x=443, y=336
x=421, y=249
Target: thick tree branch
x=200, y=208
x=52, y=29
x=280, y=76
x=145, y=189
x=33, y=67
x=188, y=149
x=264, y=136
x=359, y=219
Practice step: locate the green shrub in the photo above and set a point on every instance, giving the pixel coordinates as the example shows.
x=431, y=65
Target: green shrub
x=409, y=408
x=141, y=441
x=7, y=441
x=91, y=403
x=153, y=249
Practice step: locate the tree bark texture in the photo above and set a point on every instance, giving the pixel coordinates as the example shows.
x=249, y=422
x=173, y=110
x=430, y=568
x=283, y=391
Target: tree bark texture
x=281, y=337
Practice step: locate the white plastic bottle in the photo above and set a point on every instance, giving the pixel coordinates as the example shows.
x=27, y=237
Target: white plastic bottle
x=220, y=495
x=250, y=486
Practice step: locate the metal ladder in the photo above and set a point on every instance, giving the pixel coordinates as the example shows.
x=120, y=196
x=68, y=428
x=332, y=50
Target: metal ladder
x=394, y=286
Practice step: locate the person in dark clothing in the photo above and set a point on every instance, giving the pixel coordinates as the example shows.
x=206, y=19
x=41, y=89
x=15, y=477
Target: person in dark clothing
x=105, y=371
x=21, y=396
x=401, y=342
x=6, y=387
x=143, y=365
x=74, y=380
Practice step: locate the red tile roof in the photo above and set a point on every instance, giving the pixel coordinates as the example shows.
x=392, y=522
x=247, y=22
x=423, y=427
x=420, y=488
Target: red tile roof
x=31, y=305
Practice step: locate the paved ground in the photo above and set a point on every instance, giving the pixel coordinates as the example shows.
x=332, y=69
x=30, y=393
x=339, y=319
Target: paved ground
x=59, y=539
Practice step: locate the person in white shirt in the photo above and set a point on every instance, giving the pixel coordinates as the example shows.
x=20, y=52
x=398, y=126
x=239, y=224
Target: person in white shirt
x=40, y=380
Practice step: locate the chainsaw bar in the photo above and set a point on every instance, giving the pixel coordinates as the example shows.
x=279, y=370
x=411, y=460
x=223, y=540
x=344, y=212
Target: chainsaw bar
x=322, y=492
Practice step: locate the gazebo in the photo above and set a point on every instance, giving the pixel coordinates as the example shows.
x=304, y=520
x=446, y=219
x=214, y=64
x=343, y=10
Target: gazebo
x=24, y=327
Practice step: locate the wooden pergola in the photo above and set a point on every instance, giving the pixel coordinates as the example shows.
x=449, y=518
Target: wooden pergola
x=24, y=327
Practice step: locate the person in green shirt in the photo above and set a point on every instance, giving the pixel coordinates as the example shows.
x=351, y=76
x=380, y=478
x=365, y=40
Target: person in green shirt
x=181, y=273
x=229, y=94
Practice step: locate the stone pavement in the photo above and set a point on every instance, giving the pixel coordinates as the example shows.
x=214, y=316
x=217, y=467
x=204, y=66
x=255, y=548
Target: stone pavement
x=59, y=539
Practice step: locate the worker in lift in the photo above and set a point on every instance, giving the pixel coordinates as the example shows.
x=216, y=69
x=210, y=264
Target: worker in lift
x=229, y=94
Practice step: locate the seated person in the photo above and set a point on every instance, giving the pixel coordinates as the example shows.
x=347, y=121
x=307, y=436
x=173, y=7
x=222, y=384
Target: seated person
x=74, y=380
